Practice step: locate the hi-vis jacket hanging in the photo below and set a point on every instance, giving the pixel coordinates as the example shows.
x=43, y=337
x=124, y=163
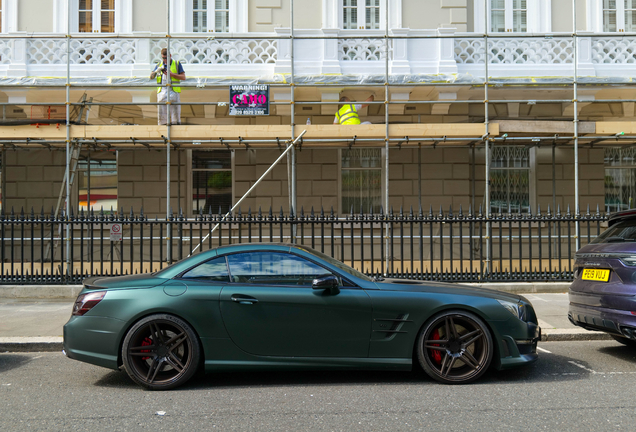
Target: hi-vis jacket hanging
x=174, y=67
x=347, y=115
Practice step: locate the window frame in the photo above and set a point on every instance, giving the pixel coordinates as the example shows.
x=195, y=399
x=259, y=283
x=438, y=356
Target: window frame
x=361, y=13
x=333, y=16
x=61, y=24
x=382, y=169
x=538, y=16
x=595, y=20
x=9, y=17
x=181, y=11
x=190, y=181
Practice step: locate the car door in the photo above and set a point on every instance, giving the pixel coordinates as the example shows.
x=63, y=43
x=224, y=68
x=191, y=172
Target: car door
x=270, y=309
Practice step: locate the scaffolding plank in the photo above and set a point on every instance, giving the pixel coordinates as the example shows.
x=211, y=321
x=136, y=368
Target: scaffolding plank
x=615, y=127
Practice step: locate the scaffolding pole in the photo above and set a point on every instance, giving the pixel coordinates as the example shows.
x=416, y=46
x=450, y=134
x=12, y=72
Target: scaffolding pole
x=576, y=126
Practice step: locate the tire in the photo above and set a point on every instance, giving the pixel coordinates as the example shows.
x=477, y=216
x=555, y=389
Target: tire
x=161, y=352
x=627, y=342
x=461, y=358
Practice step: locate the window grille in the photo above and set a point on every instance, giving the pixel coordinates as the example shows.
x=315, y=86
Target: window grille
x=211, y=181
x=361, y=180
x=620, y=178
x=510, y=179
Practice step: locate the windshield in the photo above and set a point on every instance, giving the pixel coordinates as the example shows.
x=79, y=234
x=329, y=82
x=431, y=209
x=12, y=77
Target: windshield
x=336, y=263
x=623, y=231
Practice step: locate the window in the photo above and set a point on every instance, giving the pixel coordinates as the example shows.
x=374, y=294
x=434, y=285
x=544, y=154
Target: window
x=211, y=181
x=96, y=16
x=202, y=16
x=275, y=268
x=619, y=15
x=97, y=185
x=508, y=16
x=361, y=180
x=510, y=179
x=217, y=19
x=1, y=9
x=361, y=14
x=620, y=179
x=214, y=270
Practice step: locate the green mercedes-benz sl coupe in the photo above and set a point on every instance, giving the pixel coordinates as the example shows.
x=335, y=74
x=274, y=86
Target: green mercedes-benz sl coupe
x=283, y=306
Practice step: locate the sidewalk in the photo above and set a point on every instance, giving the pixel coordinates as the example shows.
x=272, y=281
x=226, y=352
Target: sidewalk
x=33, y=316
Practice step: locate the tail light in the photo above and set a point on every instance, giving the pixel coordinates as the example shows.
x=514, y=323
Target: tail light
x=86, y=302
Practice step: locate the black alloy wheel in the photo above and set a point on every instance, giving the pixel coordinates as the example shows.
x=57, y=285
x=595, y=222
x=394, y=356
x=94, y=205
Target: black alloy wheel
x=455, y=347
x=161, y=352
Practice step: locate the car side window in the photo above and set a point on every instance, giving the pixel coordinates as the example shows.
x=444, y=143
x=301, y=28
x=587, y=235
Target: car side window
x=214, y=270
x=273, y=268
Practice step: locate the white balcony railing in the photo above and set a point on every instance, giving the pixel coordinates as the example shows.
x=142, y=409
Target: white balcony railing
x=324, y=51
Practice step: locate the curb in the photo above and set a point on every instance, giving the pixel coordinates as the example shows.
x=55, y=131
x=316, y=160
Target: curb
x=43, y=292
x=31, y=344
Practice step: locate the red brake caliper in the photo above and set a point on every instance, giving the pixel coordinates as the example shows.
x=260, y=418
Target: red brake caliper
x=146, y=342
x=437, y=355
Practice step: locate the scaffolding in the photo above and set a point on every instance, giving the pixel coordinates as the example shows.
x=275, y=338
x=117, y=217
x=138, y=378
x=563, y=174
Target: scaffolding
x=387, y=136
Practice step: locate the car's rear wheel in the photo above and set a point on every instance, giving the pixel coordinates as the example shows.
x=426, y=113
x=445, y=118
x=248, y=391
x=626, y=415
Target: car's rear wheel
x=455, y=347
x=161, y=352
x=624, y=341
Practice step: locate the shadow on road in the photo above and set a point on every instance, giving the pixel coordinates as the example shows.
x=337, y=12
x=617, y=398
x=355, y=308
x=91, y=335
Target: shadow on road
x=548, y=368
x=13, y=361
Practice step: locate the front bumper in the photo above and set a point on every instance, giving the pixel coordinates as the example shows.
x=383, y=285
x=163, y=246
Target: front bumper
x=518, y=352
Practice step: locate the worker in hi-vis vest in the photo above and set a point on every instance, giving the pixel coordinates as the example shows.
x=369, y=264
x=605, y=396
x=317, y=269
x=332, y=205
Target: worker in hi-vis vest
x=347, y=113
x=165, y=75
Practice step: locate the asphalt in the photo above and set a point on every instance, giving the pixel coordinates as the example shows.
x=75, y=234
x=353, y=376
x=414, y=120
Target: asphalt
x=32, y=317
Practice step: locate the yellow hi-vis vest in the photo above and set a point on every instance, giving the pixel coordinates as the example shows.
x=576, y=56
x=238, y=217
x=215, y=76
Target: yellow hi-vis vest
x=173, y=69
x=347, y=115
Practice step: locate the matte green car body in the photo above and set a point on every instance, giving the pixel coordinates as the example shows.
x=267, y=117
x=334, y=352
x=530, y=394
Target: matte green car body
x=293, y=327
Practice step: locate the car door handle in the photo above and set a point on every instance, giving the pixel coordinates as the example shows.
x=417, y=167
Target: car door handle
x=243, y=299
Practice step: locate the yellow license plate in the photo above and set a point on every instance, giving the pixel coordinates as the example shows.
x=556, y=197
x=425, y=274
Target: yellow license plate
x=601, y=275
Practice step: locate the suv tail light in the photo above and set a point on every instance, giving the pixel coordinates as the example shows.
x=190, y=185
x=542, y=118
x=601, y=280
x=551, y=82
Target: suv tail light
x=86, y=302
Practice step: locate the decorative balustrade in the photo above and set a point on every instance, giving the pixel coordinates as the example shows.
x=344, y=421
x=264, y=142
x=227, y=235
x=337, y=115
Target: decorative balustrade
x=229, y=51
x=362, y=49
x=515, y=51
x=6, y=47
x=614, y=50
x=83, y=51
x=260, y=54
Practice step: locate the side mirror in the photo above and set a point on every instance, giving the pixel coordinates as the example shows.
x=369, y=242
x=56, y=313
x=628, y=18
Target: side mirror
x=328, y=282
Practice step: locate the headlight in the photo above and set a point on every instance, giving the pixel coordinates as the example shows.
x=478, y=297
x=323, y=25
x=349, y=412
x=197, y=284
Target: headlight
x=517, y=309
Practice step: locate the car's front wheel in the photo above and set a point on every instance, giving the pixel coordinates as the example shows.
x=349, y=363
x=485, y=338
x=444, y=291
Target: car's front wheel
x=455, y=347
x=161, y=352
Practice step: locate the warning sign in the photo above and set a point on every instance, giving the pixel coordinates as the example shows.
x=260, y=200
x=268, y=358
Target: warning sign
x=115, y=232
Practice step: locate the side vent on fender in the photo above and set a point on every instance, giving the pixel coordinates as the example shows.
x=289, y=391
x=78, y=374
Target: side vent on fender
x=396, y=326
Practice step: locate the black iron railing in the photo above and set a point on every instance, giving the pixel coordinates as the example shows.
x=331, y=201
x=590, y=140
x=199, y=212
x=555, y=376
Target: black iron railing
x=451, y=246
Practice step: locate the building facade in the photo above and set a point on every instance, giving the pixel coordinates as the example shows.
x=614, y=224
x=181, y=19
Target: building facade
x=508, y=105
